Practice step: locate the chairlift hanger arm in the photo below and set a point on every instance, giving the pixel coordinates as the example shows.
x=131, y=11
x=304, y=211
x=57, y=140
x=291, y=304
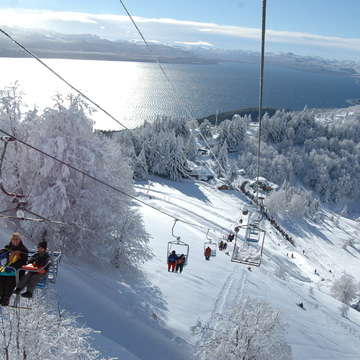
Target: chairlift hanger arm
x=11, y=217
x=8, y=193
x=6, y=140
x=207, y=235
x=172, y=231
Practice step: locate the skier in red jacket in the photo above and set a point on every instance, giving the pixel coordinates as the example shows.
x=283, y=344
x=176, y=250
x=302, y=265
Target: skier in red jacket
x=207, y=253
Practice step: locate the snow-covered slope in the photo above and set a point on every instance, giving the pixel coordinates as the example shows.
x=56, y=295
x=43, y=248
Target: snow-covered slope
x=150, y=317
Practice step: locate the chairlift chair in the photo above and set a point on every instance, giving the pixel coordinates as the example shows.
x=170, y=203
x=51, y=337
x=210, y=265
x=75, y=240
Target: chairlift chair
x=248, y=247
x=212, y=244
x=179, y=246
x=55, y=257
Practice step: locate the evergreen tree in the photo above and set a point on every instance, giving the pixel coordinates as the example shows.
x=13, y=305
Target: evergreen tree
x=205, y=128
x=140, y=167
x=171, y=161
x=221, y=161
x=191, y=148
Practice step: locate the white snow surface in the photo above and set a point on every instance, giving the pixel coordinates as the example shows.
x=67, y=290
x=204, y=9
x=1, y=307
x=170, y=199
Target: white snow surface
x=148, y=318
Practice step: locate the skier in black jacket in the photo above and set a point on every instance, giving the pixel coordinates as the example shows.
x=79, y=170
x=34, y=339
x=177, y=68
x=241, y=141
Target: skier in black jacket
x=37, y=269
x=16, y=255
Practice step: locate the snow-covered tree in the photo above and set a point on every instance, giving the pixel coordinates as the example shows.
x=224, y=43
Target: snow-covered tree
x=140, y=166
x=191, y=148
x=95, y=215
x=129, y=145
x=205, y=128
x=221, y=160
x=171, y=161
x=10, y=121
x=345, y=289
x=232, y=131
x=224, y=132
x=291, y=201
x=250, y=330
x=41, y=333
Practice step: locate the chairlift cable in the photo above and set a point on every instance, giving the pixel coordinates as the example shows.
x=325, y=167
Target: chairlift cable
x=63, y=79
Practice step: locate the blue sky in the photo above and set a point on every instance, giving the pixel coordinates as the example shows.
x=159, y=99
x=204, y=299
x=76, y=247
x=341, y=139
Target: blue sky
x=326, y=28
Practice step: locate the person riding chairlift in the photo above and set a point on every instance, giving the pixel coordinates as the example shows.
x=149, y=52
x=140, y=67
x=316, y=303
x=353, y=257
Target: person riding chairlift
x=16, y=255
x=172, y=259
x=207, y=253
x=180, y=263
x=231, y=236
x=38, y=267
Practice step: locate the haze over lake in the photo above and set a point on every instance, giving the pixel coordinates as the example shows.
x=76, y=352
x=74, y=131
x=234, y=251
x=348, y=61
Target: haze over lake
x=137, y=91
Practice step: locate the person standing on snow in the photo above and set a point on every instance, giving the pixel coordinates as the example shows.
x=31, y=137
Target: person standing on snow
x=172, y=259
x=207, y=253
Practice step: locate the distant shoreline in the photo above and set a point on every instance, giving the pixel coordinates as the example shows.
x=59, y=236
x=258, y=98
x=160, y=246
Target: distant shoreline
x=103, y=56
x=110, y=57
x=252, y=111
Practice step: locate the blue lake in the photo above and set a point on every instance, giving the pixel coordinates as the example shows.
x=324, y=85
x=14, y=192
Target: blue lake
x=135, y=91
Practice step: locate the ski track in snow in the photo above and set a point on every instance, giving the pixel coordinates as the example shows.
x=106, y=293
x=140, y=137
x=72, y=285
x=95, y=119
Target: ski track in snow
x=230, y=293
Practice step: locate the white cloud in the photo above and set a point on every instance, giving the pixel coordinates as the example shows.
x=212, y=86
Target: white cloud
x=147, y=40
x=34, y=18
x=194, y=43
x=163, y=29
